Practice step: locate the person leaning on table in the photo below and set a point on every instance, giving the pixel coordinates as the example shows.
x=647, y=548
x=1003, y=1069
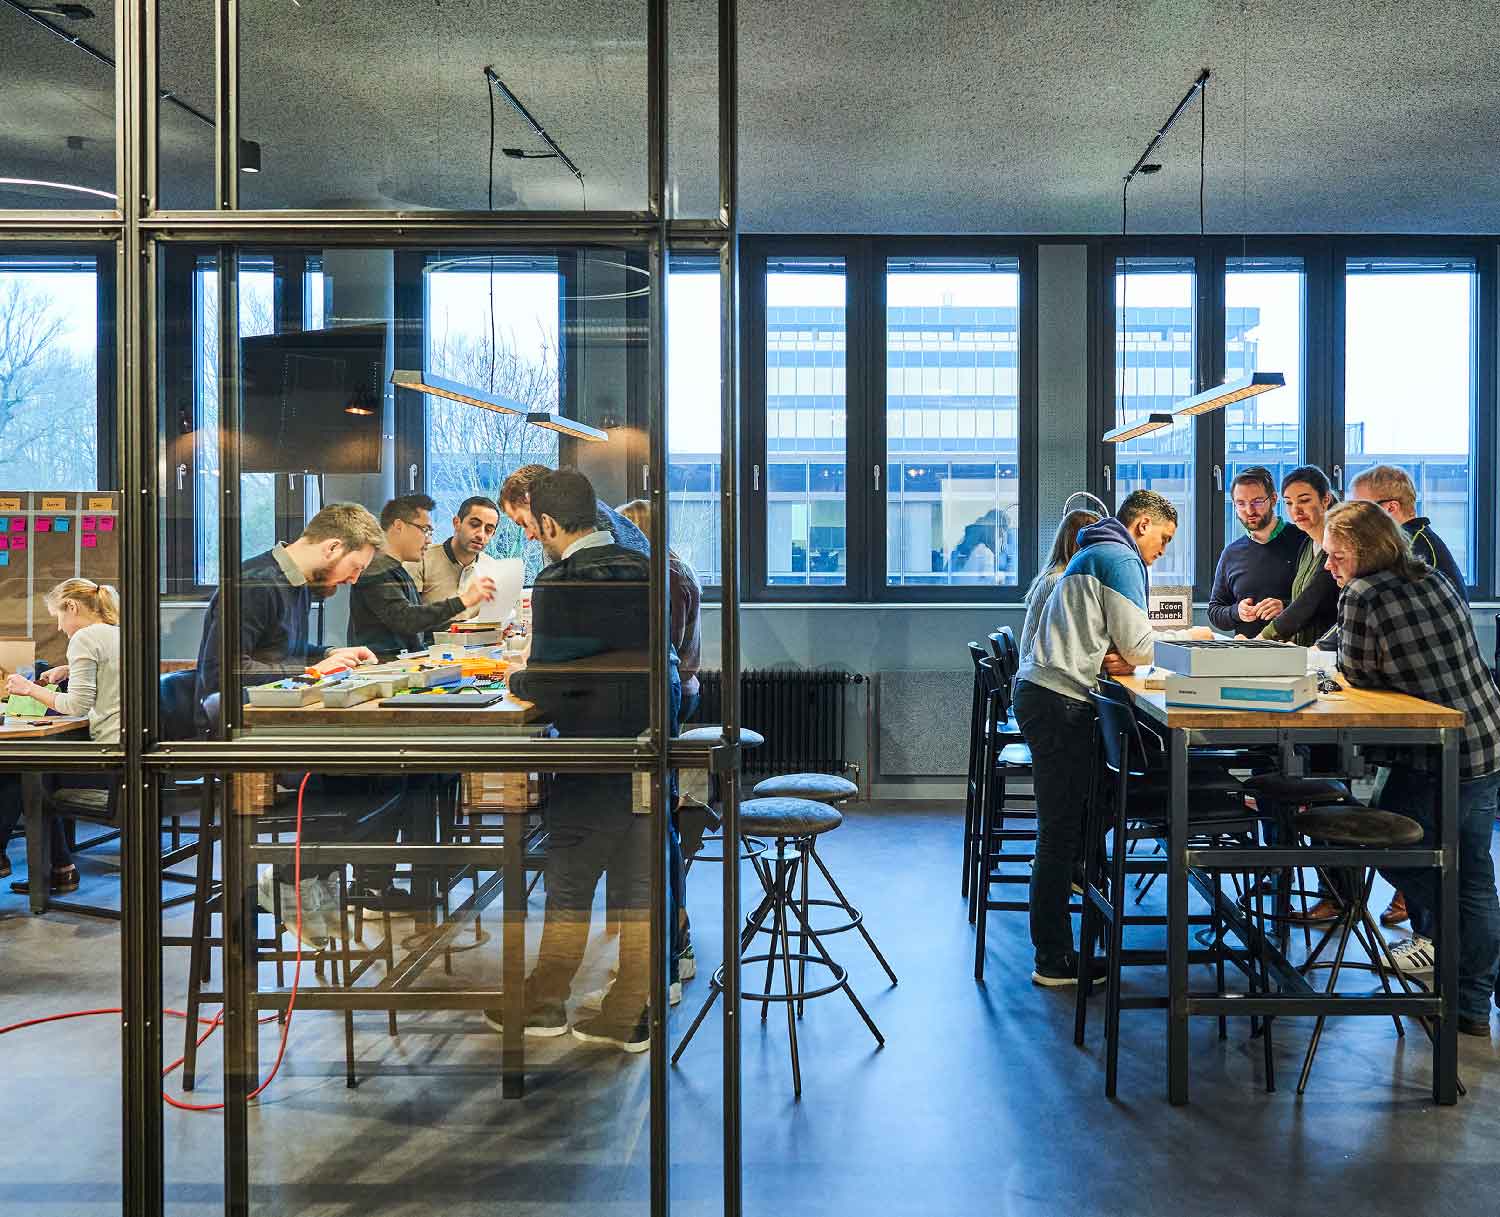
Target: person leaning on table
x=1096, y=615
x=1313, y=608
x=1403, y=627
x=89, y=614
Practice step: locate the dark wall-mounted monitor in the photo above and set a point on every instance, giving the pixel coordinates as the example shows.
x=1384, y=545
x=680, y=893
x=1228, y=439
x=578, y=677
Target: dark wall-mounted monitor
x=313, y=402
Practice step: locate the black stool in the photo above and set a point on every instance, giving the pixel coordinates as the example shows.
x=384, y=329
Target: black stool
x=749, y=738
x=792, y=824
x=1280, y=797
x=1354, y=828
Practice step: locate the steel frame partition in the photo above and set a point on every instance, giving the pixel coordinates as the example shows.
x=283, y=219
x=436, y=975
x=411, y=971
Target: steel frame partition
x=135, y=233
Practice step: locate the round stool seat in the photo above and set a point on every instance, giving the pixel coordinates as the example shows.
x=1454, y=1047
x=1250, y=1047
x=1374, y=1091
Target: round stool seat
x=1018, y=755
x=824, y=786
x=784, y=817
x=1302, y=791
x=1359, y=827
x=708, y=735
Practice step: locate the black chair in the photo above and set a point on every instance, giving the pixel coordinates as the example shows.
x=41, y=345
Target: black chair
x=1005, y=759
x=975, y=781
x=1129, y=768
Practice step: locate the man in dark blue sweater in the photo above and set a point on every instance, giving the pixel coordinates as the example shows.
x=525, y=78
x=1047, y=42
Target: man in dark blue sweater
x=1391, y=489
x=1253, y=581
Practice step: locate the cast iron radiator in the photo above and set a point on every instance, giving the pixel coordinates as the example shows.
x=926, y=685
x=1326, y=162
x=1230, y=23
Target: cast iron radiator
x=803, y=716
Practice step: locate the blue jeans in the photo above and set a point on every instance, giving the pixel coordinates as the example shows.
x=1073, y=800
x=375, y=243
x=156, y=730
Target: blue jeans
x=1414, y=793
x=1060, y=733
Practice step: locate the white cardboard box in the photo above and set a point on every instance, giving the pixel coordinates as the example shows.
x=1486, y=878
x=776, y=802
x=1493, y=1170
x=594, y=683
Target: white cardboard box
x=1223, y=657
x=1280, y=694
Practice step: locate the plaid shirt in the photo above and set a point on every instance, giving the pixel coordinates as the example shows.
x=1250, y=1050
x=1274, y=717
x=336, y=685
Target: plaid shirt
x=1418, y=638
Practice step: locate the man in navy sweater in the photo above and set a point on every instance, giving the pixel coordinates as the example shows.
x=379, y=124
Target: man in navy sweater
x=1253, y=581
x=1391, y=489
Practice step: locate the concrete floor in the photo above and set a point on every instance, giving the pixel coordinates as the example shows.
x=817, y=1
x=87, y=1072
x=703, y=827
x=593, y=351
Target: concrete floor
x=978, y=1102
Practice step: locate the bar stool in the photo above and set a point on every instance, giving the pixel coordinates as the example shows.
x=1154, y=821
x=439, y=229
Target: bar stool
x=1356, y=827
x=1281, y=797
x=792, y=825
x=749, y=738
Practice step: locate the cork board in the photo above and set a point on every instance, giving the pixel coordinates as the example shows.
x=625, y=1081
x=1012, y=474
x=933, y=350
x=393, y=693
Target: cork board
x=48, y=537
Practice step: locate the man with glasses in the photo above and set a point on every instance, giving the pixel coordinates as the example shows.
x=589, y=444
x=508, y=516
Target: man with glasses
x=1253, y=582
x=1391, y=489
x=386, y=612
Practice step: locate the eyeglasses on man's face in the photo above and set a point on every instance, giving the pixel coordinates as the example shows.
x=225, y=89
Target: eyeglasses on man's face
x=424, y=529
x=1259, y=504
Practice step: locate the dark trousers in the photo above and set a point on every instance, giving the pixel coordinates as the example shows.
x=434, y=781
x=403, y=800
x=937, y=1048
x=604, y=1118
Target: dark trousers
x=577, y=855
x=1060, y=733
x=11, y=809
x=1415, y=794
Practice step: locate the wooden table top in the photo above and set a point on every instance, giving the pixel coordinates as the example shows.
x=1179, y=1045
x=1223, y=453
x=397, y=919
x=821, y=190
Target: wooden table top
x=42, y=728
x=508, y=710
x=1351, y=708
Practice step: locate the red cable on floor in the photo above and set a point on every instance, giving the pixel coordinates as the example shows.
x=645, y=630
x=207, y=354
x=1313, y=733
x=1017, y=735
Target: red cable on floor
x=217, y=1020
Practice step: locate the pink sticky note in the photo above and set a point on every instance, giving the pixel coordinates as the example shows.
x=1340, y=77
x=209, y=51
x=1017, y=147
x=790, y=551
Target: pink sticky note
x=44, y=524
x=18, y=542
x=106, y=523
x=18, y=523
x=88, y=523
x=90, y=542
x=4, y=542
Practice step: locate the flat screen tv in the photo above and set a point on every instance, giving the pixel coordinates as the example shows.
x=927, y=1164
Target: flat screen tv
x=313, y=402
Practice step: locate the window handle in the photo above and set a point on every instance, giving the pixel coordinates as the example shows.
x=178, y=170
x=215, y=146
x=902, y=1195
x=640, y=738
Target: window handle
x=1106, y=479
x=755, y=477
x=646, y=479
x=181, y=476
x=411, y=479
x=1338, y=477
x=877, y=476
x=1218, y=478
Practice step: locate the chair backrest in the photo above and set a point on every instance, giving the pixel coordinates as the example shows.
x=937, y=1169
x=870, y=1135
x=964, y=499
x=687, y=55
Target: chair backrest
x=1119, y=732
x=1010, y=653
x=997, y=648
x=995, y=690
x=175, y=702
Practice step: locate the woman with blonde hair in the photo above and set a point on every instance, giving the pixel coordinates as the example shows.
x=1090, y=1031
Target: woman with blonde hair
x=1405, y=628
x=89, y=614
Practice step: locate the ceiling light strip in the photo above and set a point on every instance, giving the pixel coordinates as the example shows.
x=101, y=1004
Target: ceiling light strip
x=441, y=386
x=567, y=426
x=1227, y=393
x=1152, y=422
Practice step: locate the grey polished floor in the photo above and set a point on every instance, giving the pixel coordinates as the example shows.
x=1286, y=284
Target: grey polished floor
x=979, y=1102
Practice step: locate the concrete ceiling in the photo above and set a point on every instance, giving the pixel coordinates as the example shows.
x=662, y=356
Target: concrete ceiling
x=881, y=116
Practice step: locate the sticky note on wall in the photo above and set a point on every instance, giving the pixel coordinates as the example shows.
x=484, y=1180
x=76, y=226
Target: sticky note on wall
x=4, y=542
x=4, y=558
x=18, y=523
x=44, y=524
x=18, y=542
x=88, y=523
x=90, y=542
x=54, y=502
x=106, y=523
x=61, y=524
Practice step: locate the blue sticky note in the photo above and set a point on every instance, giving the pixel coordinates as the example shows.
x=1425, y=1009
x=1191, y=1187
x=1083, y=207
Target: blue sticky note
x=4, y=523
x=4, y=557
x=61, y=524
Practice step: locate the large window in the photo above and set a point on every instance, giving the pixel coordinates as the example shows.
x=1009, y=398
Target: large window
x=694, y=443
x=1265, y=326
x=1410, y=383
x=806, y=421
x=49, y=375
x=952, y=421
x=492, y=323
x=1155, y=357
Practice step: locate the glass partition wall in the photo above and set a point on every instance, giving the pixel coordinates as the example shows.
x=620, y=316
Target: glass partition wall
x=399, y=702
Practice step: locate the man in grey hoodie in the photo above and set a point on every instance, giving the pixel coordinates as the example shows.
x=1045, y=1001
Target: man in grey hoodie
x=1095, y=616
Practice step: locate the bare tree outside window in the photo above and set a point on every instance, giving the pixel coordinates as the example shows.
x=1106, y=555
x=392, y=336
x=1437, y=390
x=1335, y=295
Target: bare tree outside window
x=49, y=392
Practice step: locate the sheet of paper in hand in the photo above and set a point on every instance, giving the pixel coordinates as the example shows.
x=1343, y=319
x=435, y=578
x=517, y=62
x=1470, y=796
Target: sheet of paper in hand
x=507, y=574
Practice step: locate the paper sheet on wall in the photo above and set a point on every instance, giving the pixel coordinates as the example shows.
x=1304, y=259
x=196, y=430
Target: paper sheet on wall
x=508, y=574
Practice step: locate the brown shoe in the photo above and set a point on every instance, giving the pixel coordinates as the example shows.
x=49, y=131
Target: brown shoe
x=64, y=880
x=1395, y=912
x=1322, y=913
x=4, y=865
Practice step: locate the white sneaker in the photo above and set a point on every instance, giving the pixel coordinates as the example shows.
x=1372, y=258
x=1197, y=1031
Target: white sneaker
x=594, y=998
x=331, y=910
x=1414, y=956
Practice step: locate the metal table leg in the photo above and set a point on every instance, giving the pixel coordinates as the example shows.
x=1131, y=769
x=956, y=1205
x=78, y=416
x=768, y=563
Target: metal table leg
x=1177, y=920
x=1445, y=1044
x=512, y=1042
x=38, y=864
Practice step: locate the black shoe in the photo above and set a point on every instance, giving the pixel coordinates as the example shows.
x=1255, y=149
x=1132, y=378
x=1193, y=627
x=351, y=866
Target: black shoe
x=63, y=881
x=1474, y=1026
x=545, y=1021
x=605, y=1030
x=1056, y=973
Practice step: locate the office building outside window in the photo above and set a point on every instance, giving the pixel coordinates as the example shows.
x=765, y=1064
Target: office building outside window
x=694, y=451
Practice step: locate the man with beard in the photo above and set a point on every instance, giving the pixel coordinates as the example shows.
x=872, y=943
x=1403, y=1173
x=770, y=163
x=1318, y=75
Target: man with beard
x=444, y=572
x=1253, y=582
x=277, y=590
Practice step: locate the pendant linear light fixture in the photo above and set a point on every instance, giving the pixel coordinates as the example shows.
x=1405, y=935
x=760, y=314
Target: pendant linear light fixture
x=1227, y=393
x=1142, y=426
x=566, y=426
x=441, y=386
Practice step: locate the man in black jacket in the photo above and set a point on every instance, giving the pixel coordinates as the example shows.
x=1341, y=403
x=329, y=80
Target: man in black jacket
x=386, y=612
x=589, y=671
